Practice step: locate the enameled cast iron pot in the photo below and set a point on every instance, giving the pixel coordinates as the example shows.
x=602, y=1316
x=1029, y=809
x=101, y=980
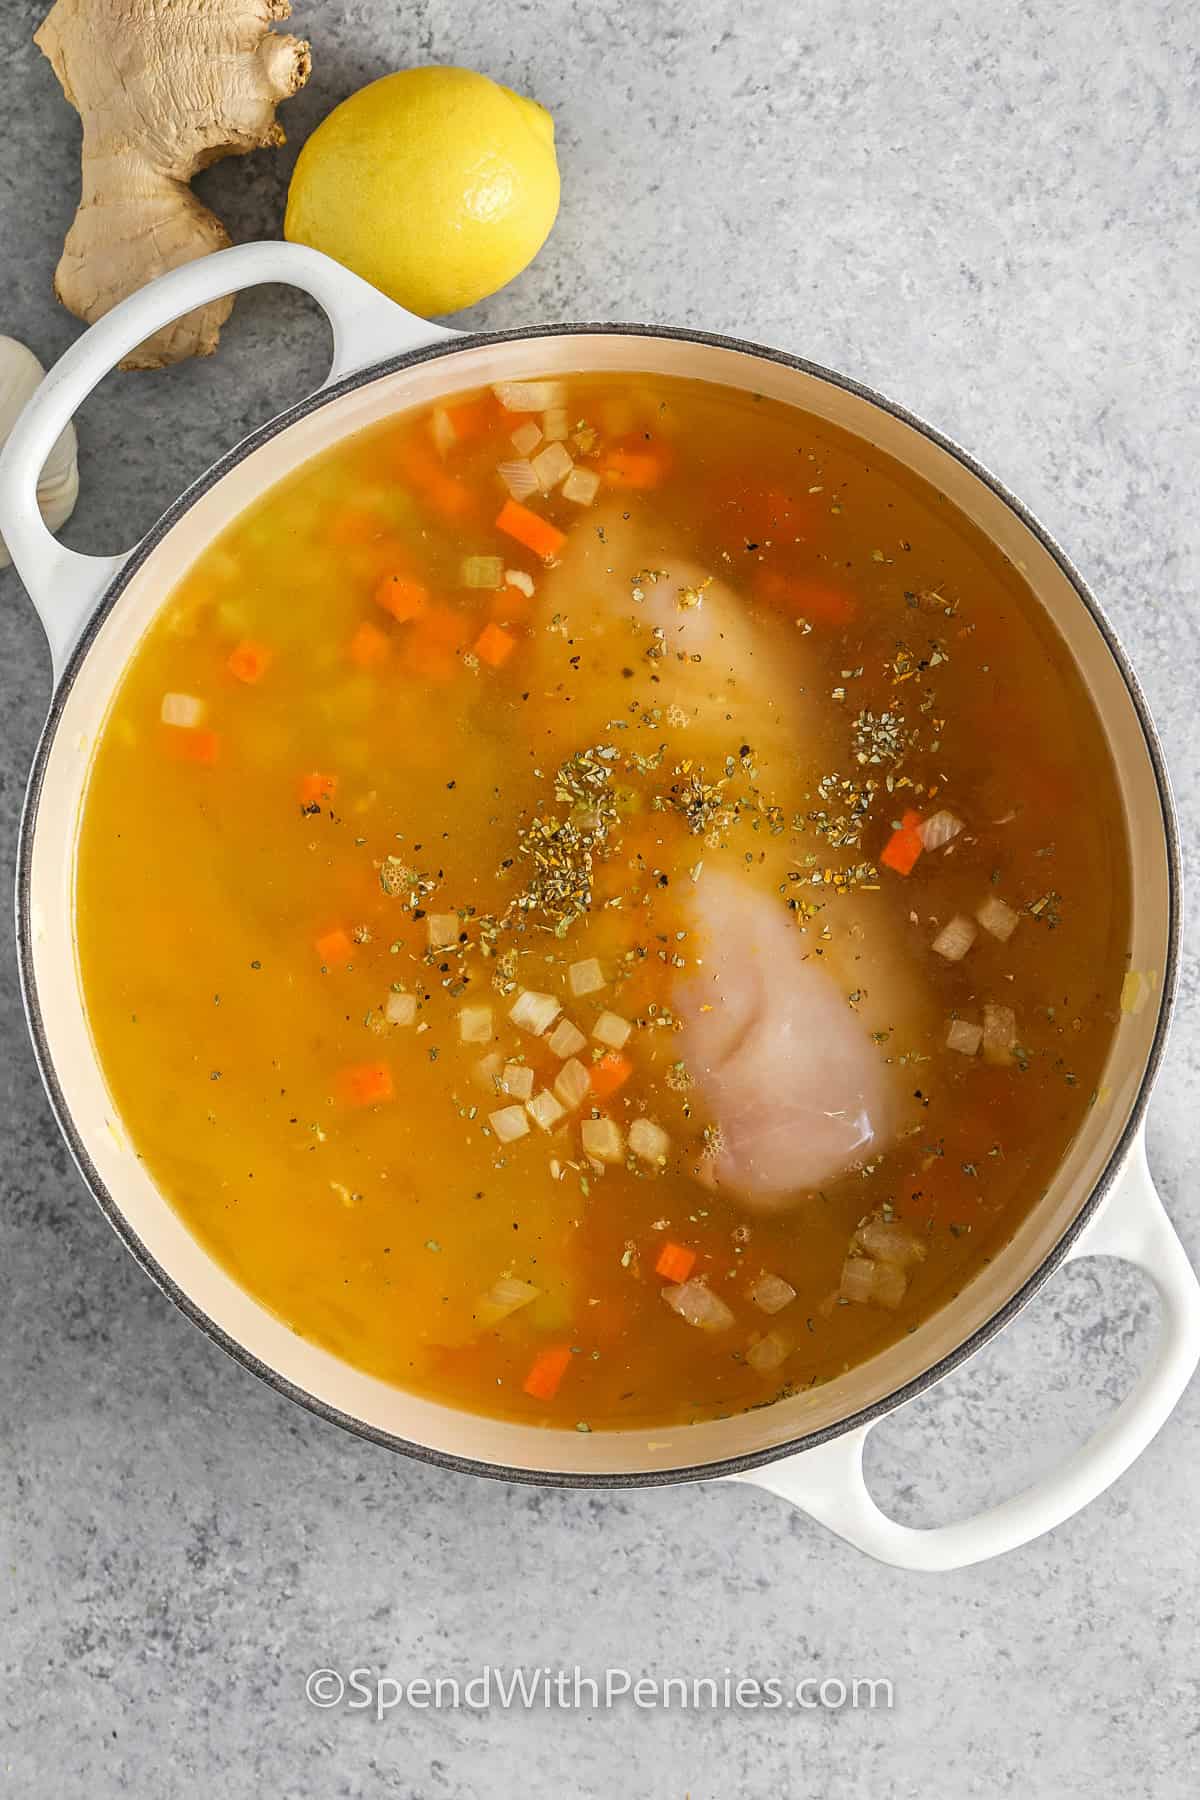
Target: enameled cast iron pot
x=809, y=1448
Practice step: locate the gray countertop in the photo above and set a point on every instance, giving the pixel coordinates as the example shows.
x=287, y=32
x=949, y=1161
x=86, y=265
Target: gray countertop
x=989, y=212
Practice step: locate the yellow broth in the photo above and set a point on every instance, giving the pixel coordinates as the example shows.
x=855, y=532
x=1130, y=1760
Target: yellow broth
x=367, y=756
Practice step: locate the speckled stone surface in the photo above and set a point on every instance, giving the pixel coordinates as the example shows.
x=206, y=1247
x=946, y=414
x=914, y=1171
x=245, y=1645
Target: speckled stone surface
x=989, y=212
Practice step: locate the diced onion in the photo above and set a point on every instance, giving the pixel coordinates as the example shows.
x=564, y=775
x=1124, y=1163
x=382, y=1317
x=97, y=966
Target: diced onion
x=519, y=478
x=869, y=1283
x=649, y=1141
x=573, y=1084
x=474, y=1024
x=961, y=1035
x=482, y=571
x=529, y=396
x=533, y=1012
x=611, y=1029
x=443, y=930
x=602, y=1139
x=441, y=427
x=556, y=424
x=581, y=486
x=585, y=977
x=955, y=939
x=509, y=1123
x=1136, y=989
x=487, y=1071
x=183, y=710
x=768, y=1352
x=517, y=578
x=566, y=1039
x=938, y=829
x=890, y=1242
x=526, y=438
x=517, y=1079
x=771, y=1293
x=696, y=1302
x=551, y=465
x=400, y=1009
x=999, y=1034
x=997, y=918
x=545, y=1110
x=506, y=1295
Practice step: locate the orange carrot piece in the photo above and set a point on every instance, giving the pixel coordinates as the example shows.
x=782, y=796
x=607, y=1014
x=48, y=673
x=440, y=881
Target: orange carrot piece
x=354, y=525
x=190, y=745
x=675, y=1262
x=611, y=1072
x=335, y=948
x=434, y=646
x=401, y=596
x=249, y=661
x=424, y=473
x=509, y=606
x=368, y=646
x=546, y=1371
x=494, y=645
x=817, y=601
x=471, y=418
x=365, y=1084
x=641, y=468
x=904, y=846
x=529, y=528
x=316, y=788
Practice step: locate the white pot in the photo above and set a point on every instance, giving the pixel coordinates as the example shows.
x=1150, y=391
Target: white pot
x=808, y=1448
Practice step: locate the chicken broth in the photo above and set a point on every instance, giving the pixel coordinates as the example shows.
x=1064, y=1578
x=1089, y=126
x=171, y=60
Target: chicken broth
x=602, y=902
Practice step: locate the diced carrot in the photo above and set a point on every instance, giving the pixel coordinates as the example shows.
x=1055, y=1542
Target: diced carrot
x=193, y=746
x=435, y=644
x=364, y=1084
x=249, y=661
x=529, y=528
x=401, y=596
x=904, y=846
x=646, y=466
x=316, y=788
x=355, y=525
x=675, y=1262
x=509, y=606
x=335, y=948
x=546, y=1371
x=424, y=473
x=801, y=598
x=368, y=646
x=611, y=1072
x=494, y=645
x=471, y=418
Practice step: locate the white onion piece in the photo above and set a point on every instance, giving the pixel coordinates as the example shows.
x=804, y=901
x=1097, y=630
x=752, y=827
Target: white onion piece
x=768, y=1352
x=955, y=939
x=869, y=1283
x=999, y=1034
x=556, y=424
x=586, y=977
x=441, y=427
x=400, y=1009
x=649, y=1141
x=997, y=918
x=696, y=1302
x=566, y=1039
x=890, y=1242
x=526, y=438
x=475, y=1025
x=581, y=486
x=573, y=1083
x=963, y=1036
x=529, y=396
x=534, y=1012
x=519, y=478
x=545, y=1110
x=771, y=1293
x=551, y=465
x=443, y=930
x=487, y=1071
x=602, y=1139
x=506, y=1296
x=509, y=1123
x=611, y=1029
x=938, y=829
x=517, y=1079
x=183, y=710
x=517, y=578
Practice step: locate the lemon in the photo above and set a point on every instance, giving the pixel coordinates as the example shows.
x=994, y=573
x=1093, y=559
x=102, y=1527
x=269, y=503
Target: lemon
x=436, y=185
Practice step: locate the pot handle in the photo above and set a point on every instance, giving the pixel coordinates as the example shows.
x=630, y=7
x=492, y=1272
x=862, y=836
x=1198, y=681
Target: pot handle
x=64, y=585
x=828, y=1481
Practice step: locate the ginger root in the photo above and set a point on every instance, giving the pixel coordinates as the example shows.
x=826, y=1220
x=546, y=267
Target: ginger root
x=163, y=88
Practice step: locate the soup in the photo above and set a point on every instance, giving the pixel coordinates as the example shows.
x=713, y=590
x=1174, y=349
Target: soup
x=602, y=902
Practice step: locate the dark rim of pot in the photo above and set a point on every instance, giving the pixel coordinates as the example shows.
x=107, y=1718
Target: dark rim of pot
x=731, y=1465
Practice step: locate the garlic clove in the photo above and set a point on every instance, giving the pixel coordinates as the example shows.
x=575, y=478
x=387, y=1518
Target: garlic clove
x=58, y=485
